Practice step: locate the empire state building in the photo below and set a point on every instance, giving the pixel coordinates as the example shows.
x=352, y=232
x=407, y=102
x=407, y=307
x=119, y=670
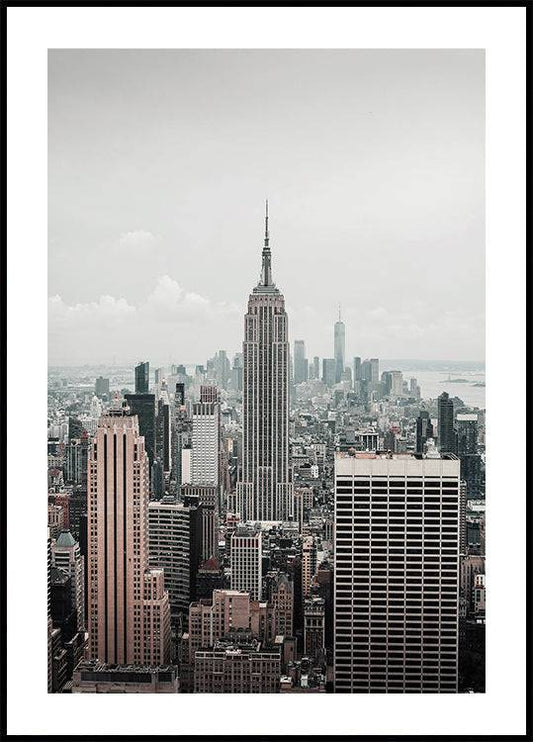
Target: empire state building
x=264, y=491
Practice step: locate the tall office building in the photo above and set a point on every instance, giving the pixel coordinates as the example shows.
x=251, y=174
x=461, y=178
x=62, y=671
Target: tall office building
x=309, y=564
x=142, y=377
x=246, y=557
x=156, y=619
x=181, y=433
x=316, y=368
x=281, y=600
x=396, y=573
x=467, y=450
x=163, y=431
x=179, y=396
x=205, y=497
x=206, y=438
x=66, y=555
x=328, y=371
x=339, y=348
x=175, y=533
x=424, y=430
x=101, y=387
x=447, y=435
x=357, y=369
x=467, y=434
x=303, y=502
x=265, y=492
x=366, y=370
x=222, y=369
x=186, y=464
x=392, y=382
x=117, y=536
x=75, y=429
x=314, y=628
x=205, y=466
x=301, y=365
x=236, y=373
x=143, y=406
x=374, y=372
x=357, y=375
x=76, y=452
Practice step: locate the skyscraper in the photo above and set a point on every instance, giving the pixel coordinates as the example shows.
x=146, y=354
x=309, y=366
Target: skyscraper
x=447, y=434
x=206, y=498
x=396, y=573
x=339, y=348
x=175, y=533
x=329, y=367
x=467, y=434
x=374, y=372
x=392, y=382
x=301, y=365
x=357, y=369
x=424, y=430
x=366, y=370
x=246, y=562
x=222, y=369
x=264, y=492
x=180, y=433
x=143, y=406
x=206, y=438
x=119, y=582
x=66, y=555
x=101, y=387
x=236, y=373
x=309, y=564
x=163, y=427
x=142, y=377
x=357, y=374
x=467, y=450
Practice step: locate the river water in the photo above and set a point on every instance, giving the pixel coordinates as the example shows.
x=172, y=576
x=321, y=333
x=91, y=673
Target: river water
x=433, y=383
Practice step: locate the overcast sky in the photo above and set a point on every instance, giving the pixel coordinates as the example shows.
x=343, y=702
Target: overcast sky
x=159, y=165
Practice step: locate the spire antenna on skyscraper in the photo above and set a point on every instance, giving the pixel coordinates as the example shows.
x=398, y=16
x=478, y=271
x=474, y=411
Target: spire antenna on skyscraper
x=266, y=266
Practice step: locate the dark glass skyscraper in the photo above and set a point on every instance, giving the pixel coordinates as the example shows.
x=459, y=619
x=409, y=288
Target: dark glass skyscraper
x=142, y=377
x=447, y=434
x=424, y=430
x=143, y=405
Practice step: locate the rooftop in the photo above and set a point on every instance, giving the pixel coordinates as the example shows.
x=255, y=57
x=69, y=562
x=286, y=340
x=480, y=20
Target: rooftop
x=353, y=454
x=66, y=539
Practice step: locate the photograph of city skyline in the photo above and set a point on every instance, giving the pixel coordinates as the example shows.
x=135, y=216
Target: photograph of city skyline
x=266, y=371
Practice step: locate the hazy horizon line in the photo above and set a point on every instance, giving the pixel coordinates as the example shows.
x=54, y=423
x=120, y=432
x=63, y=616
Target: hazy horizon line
x=131, y=363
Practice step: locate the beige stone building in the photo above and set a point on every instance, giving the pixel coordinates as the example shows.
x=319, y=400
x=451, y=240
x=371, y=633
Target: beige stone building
x=121, y=589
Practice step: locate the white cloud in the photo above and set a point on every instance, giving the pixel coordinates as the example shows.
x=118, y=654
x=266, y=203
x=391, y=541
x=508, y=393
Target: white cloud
x=77, y=331
x=136, y=239
x=106, y=310
x=169, y=301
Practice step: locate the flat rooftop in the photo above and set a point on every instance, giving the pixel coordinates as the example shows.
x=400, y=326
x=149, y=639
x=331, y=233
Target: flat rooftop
x=352, y=454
